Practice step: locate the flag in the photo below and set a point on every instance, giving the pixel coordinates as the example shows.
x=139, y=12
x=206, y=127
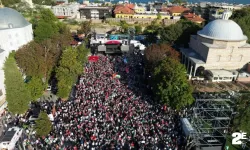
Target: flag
x=127, y=69
x=54, y=110
x=125, y=60
x=93, y=58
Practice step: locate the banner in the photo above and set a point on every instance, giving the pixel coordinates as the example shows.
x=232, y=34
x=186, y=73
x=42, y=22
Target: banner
x=93, y=58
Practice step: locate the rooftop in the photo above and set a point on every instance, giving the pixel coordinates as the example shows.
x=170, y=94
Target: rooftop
x=213, y=45
x=123, y=9
x=178, y=9
x=193, y=17
x=221, y=73
x=194, y=56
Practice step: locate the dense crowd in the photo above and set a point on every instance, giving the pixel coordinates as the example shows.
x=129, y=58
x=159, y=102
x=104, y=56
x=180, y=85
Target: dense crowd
x=111, y=111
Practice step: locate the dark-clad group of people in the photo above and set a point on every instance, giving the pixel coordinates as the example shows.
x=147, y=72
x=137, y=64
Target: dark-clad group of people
x=111, y=111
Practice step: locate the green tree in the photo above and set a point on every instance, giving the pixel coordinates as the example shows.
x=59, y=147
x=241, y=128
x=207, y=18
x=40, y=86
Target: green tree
x=138, y=29
x=44, y=2
x=242, y=17
x=41, y=34
x=10, y=3
x=67, y=72
x=159, y=17
x=178, y=1
x=179, y=33
x=47, y=15
x=124, y=26
x=85, y=28
x=82, y=52
x=156, y=53
x=35, y=87
x=237, y=14
x=170, y=84
x=43, y=125
x=17, y=95
x=152, y=31
x=244, y=24
x=242, y=119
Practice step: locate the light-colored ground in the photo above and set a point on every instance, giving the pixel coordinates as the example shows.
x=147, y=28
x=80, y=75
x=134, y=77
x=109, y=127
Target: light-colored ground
x=220, y=87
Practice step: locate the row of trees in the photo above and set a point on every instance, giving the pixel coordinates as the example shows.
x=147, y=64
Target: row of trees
x=168, y=76
x=49, y=53
x=175, y=34
x=17, y=95
x=70, y=67
x=39, y=58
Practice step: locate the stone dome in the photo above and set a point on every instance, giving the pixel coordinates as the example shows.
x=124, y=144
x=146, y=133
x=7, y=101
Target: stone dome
x=223, y=29
x=10, y=18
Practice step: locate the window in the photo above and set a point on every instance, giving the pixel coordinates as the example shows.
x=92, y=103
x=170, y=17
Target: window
x=218, y=58
x=220, y=78
x=11, y=43
x=231, y=49
x=229, y=58
x=215, y=78
x=240, y=57
x=10, y=36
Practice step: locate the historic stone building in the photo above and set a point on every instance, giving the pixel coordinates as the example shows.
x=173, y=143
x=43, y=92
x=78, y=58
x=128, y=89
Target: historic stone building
x=220, y=46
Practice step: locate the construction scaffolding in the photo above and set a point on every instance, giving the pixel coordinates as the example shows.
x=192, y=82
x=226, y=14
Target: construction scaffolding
x=211, y=118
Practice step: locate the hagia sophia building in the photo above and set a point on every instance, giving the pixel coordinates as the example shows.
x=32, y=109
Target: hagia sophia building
x=15, y=32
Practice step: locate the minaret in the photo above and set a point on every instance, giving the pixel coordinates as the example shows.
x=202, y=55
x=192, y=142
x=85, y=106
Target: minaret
x=226, y=14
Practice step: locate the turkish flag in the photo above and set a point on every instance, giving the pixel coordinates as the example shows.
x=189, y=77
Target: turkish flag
x=93, y=58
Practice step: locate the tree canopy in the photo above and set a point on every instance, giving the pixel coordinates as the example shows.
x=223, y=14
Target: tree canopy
x=9, y=3
x=39, y=58
x=67, y=72
x=242, y=17
x=17, y=95
x=43, y=125
x=138, y=29
x=151, y=31
x=35, y=87
x=42, y=34
x=44, y=2
x=170, y=84
x=85, y=28
x=178, y=1
x=157, y=52
x=242, y=119
x=45, y=19
x=179, y=33
x=124, y=26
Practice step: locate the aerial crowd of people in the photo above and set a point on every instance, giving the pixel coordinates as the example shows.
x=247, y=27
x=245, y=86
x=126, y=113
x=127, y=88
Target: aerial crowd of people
x=111, y=110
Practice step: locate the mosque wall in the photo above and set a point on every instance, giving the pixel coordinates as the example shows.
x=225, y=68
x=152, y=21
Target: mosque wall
x=13, y=39
x=227, y=59
x=205, y=40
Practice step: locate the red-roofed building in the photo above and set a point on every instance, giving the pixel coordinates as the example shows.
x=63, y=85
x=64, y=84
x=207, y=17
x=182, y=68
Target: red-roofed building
x=124, y=11
x=194, y=18
x=178, y=10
